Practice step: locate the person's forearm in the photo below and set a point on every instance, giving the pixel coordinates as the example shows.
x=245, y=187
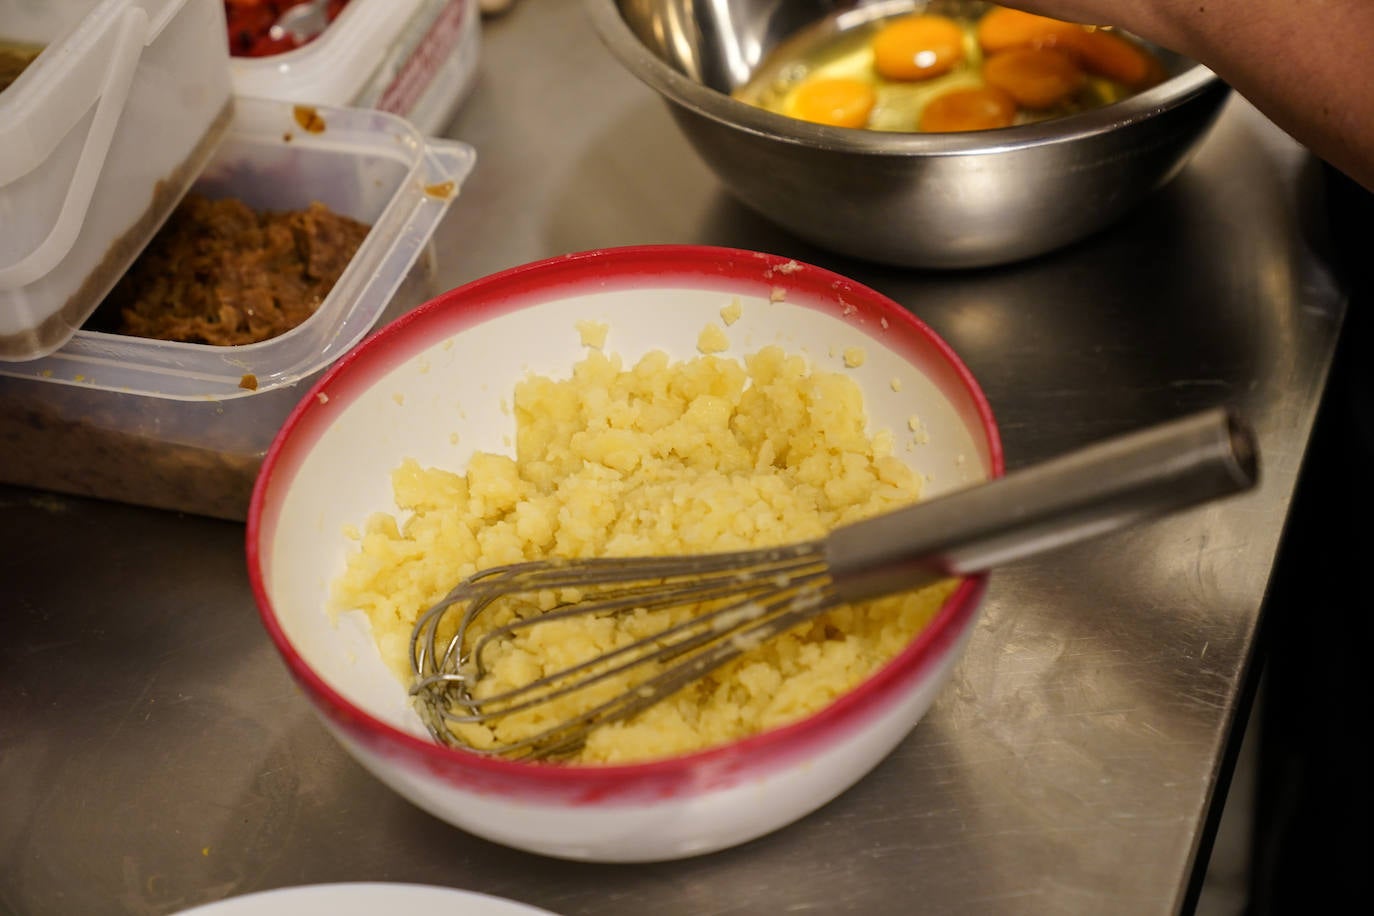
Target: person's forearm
x=1308, y=66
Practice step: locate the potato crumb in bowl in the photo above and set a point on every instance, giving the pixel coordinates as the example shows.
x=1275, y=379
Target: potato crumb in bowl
x=662, y=457
x=592, y=333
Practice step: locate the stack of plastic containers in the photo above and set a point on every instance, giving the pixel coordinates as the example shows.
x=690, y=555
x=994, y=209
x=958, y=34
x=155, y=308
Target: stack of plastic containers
x=97, y=144
x=414, y=58
x=130, y=105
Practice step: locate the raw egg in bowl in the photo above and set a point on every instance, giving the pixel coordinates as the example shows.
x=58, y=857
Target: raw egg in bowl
x=971, y=67
x=918, y=133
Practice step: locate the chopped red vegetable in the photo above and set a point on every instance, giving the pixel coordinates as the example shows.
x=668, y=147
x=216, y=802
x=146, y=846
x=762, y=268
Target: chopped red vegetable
x=250, y=22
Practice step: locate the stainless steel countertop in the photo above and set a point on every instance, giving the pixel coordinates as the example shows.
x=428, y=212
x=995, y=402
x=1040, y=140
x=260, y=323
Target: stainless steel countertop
x=154, y=753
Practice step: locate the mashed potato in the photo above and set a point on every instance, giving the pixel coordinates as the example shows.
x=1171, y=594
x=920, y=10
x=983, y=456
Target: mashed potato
x=660, y=457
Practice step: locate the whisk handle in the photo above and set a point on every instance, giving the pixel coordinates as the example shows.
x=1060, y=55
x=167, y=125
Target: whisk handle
x=1091, y=491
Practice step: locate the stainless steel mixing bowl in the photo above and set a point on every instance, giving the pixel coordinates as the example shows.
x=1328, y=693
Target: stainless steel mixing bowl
x=915, y=200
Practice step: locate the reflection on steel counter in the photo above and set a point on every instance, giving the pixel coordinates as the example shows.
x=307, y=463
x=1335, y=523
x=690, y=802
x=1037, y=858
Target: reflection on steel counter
x=48, y=448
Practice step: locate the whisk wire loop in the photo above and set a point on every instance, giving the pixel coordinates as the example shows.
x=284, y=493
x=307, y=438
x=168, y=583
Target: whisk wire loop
x=738, y=599
x=777, y=615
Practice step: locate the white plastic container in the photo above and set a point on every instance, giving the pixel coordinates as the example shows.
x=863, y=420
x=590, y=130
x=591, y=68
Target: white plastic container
x=414, y=58
x=99, y=139
x=171, y=425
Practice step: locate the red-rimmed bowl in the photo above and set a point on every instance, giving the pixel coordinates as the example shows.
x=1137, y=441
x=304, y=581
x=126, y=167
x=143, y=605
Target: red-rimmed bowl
x=396, y=396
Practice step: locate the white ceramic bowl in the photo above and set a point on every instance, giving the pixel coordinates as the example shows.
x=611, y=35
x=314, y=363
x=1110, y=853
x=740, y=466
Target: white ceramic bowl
x=393, y=397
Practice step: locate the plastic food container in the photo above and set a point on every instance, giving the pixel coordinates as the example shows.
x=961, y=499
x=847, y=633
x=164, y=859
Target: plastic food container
x=99, y=138
x=414, y=58
x=181, y=426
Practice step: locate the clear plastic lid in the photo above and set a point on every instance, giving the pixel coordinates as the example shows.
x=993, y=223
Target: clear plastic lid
x=367, y=164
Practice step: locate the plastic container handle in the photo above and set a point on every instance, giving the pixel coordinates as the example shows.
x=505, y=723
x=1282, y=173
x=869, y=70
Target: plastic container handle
x=130, y=30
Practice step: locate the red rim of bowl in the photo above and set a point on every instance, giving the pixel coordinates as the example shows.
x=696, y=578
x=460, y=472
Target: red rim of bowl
x=512, y=289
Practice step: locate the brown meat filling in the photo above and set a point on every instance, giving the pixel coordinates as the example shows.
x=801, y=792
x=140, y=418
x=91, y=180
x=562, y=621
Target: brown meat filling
x=221, y=273
x=13, y=61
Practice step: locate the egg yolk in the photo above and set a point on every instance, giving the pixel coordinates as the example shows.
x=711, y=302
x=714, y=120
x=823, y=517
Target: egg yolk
x=1116, y=58
x=918, y=47
x=1038, y=78
x=837, y=102
x=1095, y=50
x=1003, y=28
x=969, y=108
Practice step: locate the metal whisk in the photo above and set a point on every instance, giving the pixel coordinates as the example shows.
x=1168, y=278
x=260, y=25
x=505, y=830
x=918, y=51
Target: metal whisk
x=744, y=598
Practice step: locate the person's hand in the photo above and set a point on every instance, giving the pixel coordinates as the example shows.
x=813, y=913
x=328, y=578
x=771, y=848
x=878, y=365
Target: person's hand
x=1305, y=65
